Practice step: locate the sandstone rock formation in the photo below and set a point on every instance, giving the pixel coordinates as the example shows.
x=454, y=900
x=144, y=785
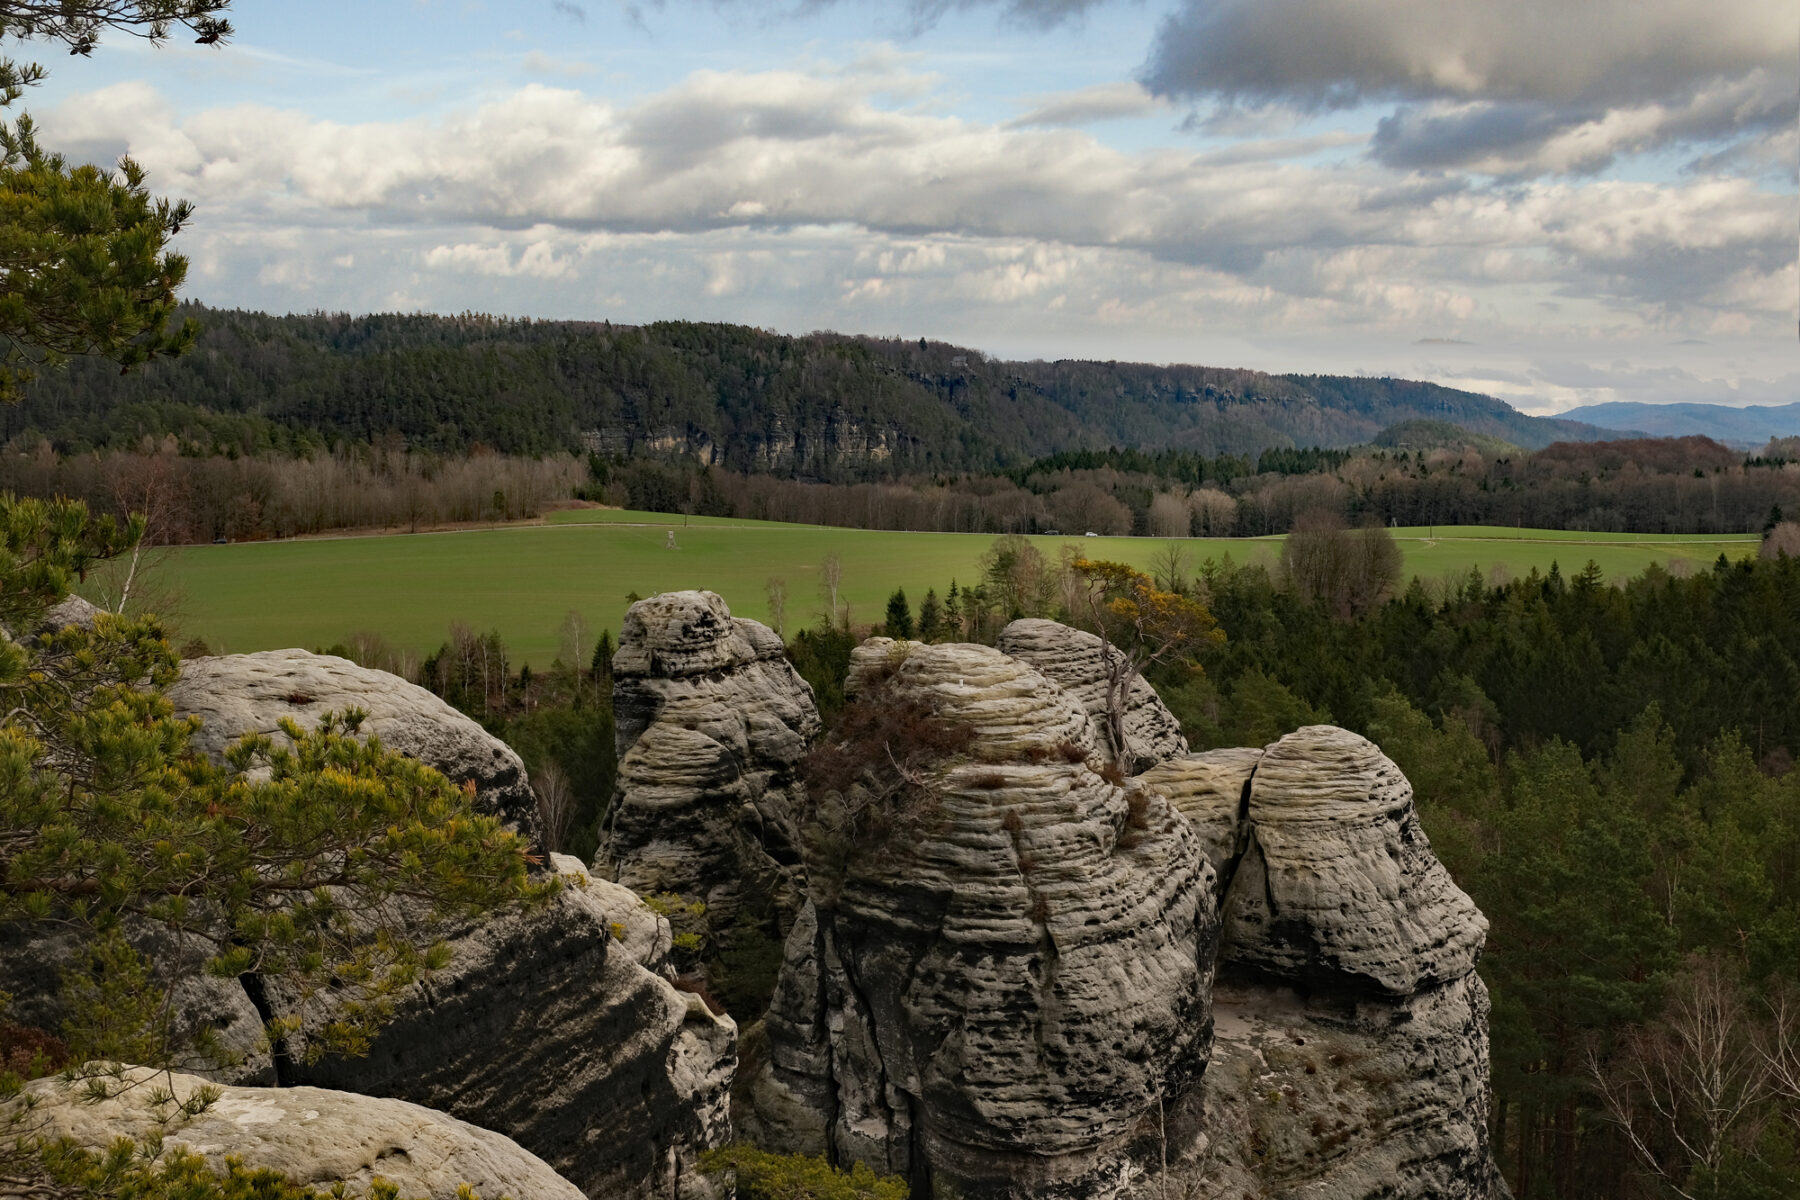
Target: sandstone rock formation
x=1073, y=659
x=1212, y=790
x=557, y=1029
x=235, y=694
x=1017, y=999
x=318, y=1137
x=1338, y=887
x=712, y=722
x=1310, y=1095
x=994, y=1004
x=1351, y=1053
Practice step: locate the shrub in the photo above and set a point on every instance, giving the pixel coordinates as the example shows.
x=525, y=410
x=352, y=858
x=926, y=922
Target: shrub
x=764, y=1176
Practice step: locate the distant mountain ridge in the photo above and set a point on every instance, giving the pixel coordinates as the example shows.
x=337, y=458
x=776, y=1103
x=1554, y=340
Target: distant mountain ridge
x=1745, y=428
x=820, y=406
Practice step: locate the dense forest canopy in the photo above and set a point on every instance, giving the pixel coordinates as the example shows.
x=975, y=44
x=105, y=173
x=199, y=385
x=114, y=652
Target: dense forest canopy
x=822, y=406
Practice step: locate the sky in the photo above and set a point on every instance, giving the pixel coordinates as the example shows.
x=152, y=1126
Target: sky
x=1557, y=202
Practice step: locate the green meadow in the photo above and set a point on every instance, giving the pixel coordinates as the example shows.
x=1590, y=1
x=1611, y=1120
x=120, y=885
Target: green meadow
x=523, y=579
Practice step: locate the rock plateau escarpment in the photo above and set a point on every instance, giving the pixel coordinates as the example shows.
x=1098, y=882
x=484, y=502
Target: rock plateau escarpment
x=1077, y=661
x=1019, y=998
x=317, y=1137
x=712, y=722
x=994, y=1004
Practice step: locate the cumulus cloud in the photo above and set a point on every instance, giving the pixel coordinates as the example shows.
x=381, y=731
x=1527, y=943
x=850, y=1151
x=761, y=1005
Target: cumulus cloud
x=1521, y=138
x=1517, y=89
x=787, y=150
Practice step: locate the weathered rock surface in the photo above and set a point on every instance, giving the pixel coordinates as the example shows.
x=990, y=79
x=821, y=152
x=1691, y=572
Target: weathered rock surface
x=712, y=723
x=555, y=1028
x=993, y=1005
x=1212, y=790
x=71, y=610
x=1074, y=660
x=1310, y=1097
x=313, y=1135
x=1351, y=1049
x=1338, y=886
x=33, y=955
x=236, y=694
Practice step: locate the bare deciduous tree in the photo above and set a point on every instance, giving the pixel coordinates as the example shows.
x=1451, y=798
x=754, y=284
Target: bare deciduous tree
x=574, y=641
x=831, y=578
x=1783, y=539
x=1168, y=516
x=1349, y=571
x=555, y=805
x=776, y=588
x=1693, y=1087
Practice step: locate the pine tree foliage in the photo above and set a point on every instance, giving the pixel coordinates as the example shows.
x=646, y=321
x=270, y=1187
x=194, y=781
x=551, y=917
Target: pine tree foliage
x=84, y=264
x=326, y=862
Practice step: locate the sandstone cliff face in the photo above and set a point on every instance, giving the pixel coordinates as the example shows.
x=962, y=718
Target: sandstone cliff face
x=994, y=1006
x=318, y=1137
x=235, y=694
x=1075, y=660
x=557, y=1029
x=712, y=722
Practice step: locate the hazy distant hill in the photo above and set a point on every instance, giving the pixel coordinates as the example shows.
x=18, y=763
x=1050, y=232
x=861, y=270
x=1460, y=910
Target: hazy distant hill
x=824, y=406
x=1742, y=427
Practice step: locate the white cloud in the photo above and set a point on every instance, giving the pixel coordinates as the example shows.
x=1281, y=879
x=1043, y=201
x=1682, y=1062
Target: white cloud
x=790, y=197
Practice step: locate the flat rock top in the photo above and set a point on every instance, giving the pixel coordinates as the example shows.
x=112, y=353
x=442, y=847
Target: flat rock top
x=314, y=1135
x=688, y=633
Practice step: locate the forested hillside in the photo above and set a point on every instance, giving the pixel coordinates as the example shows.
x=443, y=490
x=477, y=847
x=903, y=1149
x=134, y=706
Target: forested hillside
x=823, y=406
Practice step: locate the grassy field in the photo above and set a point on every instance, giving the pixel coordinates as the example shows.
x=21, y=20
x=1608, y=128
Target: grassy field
x=523, y=579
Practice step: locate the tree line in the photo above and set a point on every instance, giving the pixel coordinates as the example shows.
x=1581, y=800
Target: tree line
x=188, y=499
x=1671, y=485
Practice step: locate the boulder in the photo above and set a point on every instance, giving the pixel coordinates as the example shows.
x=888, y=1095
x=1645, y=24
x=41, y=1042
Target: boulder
x=70, y=610
x=556, y=1028
x=318, y=1137
x=712, y=723
x=993, y=1004
x=34, y=954
x=1074, y=660
x=1337, y=886
x=236, y=694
